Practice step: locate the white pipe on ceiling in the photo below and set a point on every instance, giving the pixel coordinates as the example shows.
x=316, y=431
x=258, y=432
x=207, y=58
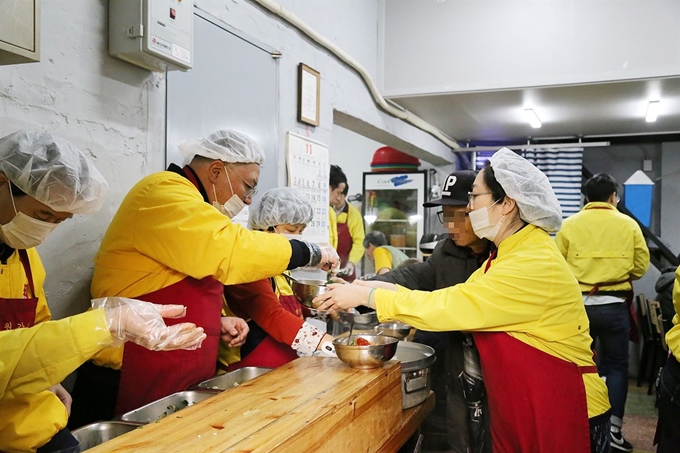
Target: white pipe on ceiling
x=400, y=112
x=536, y=146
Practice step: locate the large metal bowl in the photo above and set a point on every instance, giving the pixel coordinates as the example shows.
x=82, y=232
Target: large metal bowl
x=97, y=433
x=380, y=351
x=393, y=329
x=306, y=290
x=233, y=379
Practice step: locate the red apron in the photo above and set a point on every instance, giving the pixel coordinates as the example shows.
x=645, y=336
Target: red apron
x=537, y=402
x=344, y=247
x=271, y=353
x=146, y=376
x=16, y=313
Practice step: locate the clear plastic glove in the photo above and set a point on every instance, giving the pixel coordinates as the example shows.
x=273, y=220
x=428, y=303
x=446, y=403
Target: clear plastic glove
x=323, y=256
x=63, y=395
x=233, y=331
x=142, y=323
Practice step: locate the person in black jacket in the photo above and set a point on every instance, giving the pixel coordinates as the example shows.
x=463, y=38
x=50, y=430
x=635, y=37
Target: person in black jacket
x=453, y=260
x=664, y=294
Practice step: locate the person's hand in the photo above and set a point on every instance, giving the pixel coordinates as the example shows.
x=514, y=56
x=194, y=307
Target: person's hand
x=347, y=270
x=142, y=323
x=323, y=256
x=341, y=297
x=63, y=395
x=234, y=331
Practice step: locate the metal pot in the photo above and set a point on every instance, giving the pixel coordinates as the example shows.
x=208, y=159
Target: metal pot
x=416, y=365
x=306, y=290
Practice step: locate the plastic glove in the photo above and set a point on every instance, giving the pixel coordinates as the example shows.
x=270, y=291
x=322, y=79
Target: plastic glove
x=142, y=323
x=63, y=395
x=347, y=270
x=323, y=256
x=234, y=331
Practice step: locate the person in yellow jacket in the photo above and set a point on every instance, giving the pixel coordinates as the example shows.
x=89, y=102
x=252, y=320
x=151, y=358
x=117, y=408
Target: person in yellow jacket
x=172, y=241
x=350, y=225
x=44, y=181
x=668, y=427
x=606, y=250
x=525, y=311
x=33, y=359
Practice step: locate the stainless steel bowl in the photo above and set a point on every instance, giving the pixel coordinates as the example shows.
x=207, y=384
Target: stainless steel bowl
x=97, y=433
x=359, y=320
x=306, y=290
x=380, y=350
x=393, y=329
x=233, y=379
x=166, y=406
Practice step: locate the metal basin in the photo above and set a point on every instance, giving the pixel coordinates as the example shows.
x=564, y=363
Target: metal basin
x=233, y=379
x=166, y=406
x=97, y=433
x=306, y=290
x=393, y=329
x=416, y=363
x=360, y=320
x=380, y=351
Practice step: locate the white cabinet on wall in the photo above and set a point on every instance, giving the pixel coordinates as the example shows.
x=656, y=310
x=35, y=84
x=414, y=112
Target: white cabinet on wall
x=19, y=31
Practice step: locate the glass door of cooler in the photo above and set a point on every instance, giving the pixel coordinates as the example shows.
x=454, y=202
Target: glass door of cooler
x=393, y=204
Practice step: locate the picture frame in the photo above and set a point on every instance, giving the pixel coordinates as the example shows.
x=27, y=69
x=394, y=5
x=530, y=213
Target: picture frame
x=309, y=87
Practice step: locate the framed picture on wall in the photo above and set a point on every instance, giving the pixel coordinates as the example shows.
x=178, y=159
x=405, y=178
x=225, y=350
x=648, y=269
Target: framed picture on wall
x=309, y=86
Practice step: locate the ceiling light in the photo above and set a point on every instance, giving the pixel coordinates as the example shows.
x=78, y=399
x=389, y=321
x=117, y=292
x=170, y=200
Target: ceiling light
x=532, y=118
x=652, y=111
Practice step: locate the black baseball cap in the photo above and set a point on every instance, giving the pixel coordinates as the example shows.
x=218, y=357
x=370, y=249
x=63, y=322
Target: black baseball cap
x=455, y=190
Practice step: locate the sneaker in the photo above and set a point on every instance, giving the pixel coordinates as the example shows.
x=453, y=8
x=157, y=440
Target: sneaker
x=619, y=443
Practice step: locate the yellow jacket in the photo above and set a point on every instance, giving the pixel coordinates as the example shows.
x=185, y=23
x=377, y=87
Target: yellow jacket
x=332, y=228
x=528, y=292
x=603, y=245
x=355, y=224
x=14, y=283
x=163, y=232
x=673, y=335
x=34, y=359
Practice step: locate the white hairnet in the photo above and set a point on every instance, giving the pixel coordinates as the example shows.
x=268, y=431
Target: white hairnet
x=279, y=206
x=225, y=145
x=529, y=187
x=53, y=171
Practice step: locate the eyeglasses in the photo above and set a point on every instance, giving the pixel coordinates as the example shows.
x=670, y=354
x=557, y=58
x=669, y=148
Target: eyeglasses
x=458, y=215
x=440, y=216
x=471, y=196
x=252, y=189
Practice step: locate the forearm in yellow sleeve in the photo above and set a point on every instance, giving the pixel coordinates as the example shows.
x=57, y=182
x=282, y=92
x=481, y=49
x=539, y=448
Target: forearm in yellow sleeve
x=35, y=358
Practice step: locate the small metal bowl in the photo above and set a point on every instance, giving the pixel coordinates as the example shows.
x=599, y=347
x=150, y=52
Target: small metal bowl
x=393, y=329
x=306, y=290
x=380, y=350
x=359, y=320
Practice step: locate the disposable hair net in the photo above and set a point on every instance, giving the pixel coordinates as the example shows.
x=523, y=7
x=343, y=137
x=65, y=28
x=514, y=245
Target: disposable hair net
x=529, y=187
x=53, y=171
x=225, y=145
x=279, y=206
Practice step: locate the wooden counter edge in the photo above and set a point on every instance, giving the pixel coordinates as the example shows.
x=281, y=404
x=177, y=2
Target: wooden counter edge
x=407, y=425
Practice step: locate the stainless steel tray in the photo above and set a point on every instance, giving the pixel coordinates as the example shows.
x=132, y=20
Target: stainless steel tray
x=97, y=433
x=166, y=406
x=233, y=379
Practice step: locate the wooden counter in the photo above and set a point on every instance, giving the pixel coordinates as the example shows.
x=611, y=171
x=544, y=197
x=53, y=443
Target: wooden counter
x=310, y=404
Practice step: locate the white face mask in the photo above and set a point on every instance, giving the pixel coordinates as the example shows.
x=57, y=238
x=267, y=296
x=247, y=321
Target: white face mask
x=481, y=225
x=23, y=231
x=233, y=206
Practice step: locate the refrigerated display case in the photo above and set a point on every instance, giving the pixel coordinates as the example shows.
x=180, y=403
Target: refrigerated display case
x=393, y=204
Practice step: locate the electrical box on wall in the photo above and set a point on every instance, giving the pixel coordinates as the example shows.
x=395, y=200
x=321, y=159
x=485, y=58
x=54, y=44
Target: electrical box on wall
x=155, y=34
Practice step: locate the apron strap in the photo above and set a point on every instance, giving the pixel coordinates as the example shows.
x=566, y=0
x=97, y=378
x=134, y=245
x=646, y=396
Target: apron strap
x=588, y=369
x=23, y=256
x=596, y=287
x=491, y=258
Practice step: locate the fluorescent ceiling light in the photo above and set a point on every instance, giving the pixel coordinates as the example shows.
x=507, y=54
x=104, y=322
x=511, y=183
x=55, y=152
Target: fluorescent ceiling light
x=532, y=118
x=652, y=111
x=370, y=218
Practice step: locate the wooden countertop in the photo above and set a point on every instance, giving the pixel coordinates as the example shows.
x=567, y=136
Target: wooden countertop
x=310, y=404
